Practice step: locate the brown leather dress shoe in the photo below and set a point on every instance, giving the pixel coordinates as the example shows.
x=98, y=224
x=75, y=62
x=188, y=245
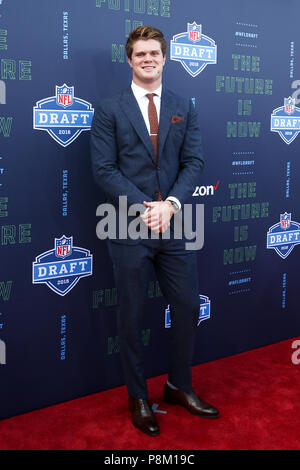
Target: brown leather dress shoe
x=190, y=401
x=142, y=416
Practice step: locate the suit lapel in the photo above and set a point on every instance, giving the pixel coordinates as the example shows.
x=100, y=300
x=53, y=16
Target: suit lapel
x=133, y=112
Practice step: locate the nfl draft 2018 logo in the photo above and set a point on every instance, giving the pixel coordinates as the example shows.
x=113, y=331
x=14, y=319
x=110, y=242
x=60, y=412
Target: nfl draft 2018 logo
x=284, y=235
x=193, y=49
x=63, y=116
x=286, y=120
x=62, y=267
x=204, y=311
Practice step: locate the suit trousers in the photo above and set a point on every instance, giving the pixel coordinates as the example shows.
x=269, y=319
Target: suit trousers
x=176, y=271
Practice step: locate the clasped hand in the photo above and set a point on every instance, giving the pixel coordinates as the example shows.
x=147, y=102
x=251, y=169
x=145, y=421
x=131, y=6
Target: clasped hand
x=158, y=217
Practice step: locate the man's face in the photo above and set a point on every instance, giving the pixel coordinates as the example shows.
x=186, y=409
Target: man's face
x=147, y=63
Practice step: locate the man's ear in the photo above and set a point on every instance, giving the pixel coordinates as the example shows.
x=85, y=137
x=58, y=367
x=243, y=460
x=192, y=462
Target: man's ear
x=129, y=62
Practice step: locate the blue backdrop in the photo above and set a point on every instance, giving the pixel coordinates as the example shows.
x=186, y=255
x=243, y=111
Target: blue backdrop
x=58, y=333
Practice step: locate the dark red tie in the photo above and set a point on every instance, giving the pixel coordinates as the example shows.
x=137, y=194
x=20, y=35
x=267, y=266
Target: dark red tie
x=153, y=120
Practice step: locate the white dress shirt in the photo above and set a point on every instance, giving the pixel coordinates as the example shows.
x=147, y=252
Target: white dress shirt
x=140, y=95
x=142, y=100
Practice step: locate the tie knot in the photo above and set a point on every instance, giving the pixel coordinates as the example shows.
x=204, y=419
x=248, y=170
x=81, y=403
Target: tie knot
x=150, y=96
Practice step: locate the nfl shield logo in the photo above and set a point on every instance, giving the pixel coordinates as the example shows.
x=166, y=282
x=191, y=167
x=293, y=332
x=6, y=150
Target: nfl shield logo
x=204, y=311
x=194, y=31
x=63, y=246
x=63, y=116
x=62, y=267
x=285, y=220
x=193, y=49
x=64, y=95
x=285, y=120
x=289, y=105
x=284, y=235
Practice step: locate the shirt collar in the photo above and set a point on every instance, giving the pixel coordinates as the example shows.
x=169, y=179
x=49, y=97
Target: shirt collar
x=140, y=92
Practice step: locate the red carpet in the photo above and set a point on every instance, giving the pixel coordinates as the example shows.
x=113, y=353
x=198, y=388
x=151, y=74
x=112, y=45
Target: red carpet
x=257, y=393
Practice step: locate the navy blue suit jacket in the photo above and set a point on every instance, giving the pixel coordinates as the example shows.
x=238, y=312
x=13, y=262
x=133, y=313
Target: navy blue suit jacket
x=123, y=156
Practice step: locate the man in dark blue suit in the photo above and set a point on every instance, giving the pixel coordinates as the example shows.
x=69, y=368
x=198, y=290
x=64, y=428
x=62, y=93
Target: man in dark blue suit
x=146, y=145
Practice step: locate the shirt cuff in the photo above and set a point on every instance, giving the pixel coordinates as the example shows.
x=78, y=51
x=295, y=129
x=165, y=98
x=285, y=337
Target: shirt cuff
x=174, y=199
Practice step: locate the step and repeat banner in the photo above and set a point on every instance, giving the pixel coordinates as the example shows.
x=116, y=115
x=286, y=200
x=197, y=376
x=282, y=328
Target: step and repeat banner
x=239, y=62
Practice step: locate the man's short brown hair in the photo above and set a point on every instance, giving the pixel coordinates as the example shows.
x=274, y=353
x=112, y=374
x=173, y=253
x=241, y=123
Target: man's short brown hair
x=145, y=33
